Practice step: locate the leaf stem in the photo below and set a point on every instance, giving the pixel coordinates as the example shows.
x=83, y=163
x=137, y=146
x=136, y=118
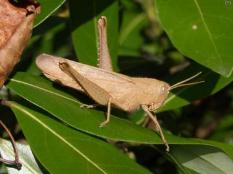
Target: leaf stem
x=13, y=163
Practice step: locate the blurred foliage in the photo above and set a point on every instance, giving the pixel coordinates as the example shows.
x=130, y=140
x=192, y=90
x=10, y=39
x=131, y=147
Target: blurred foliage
x=198, y=120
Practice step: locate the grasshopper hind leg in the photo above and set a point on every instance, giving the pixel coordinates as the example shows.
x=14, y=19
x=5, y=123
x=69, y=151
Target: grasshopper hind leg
x=155, y=121
x=104, y=58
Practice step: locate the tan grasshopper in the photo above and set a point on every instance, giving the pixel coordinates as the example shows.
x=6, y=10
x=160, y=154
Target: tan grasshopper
x=106, y=87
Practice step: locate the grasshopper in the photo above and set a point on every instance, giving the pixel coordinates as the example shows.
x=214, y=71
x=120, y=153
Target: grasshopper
x=109, y=88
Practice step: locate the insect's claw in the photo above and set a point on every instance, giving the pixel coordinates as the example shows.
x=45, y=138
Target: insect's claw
x=165, y=143
x=167, y=147
x=18, y=165
x=104, y=123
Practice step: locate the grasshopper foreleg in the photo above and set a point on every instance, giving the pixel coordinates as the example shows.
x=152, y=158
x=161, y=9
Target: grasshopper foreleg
x=155, y=121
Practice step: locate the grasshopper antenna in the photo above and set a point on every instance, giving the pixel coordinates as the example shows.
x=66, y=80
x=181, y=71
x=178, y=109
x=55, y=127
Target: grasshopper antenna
x=183, y=83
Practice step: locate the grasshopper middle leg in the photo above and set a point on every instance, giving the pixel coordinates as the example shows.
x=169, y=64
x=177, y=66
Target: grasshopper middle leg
x=108, y=114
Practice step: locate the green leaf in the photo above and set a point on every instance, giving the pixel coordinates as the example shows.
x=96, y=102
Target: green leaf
x=203, y=160
x=84, y=16
x=201, y=30
x=51, y=37
x=130, y=39
x=62, y=149
x=183, y=96
x=26, y=158
x=47, y=9
x=65, y=107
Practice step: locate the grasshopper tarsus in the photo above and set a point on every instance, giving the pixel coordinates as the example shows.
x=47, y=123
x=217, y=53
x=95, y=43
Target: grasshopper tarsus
x=104, y=123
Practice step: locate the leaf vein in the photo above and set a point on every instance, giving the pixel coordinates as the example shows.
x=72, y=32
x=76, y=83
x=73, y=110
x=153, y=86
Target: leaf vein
x=46, y=90
x=208, y=31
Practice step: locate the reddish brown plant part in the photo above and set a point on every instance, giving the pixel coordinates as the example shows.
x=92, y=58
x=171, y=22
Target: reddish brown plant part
x=16, y=22
x=11, y=163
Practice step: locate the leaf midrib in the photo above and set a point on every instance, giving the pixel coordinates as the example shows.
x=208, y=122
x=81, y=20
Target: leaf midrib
x=208, y=31
x=45, y=90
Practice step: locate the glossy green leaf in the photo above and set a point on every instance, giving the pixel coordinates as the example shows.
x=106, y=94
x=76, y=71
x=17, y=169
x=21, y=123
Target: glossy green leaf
x=201, y=30
x=183, y=96
x=26, y=158
x=181, y=168
x=84, y=16
x=52, y=37
x=66, y=108
x=47, y=9
x=203, y=160
x=130, y=39
x=62, y=149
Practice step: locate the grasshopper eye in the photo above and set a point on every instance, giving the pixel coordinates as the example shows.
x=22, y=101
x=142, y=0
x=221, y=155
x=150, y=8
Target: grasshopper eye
x=163, y=89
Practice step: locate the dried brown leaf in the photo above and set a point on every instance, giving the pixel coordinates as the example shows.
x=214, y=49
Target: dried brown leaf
x=16, y=22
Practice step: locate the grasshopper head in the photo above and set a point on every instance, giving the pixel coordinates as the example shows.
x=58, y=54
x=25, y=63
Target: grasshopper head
x=161, y=91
